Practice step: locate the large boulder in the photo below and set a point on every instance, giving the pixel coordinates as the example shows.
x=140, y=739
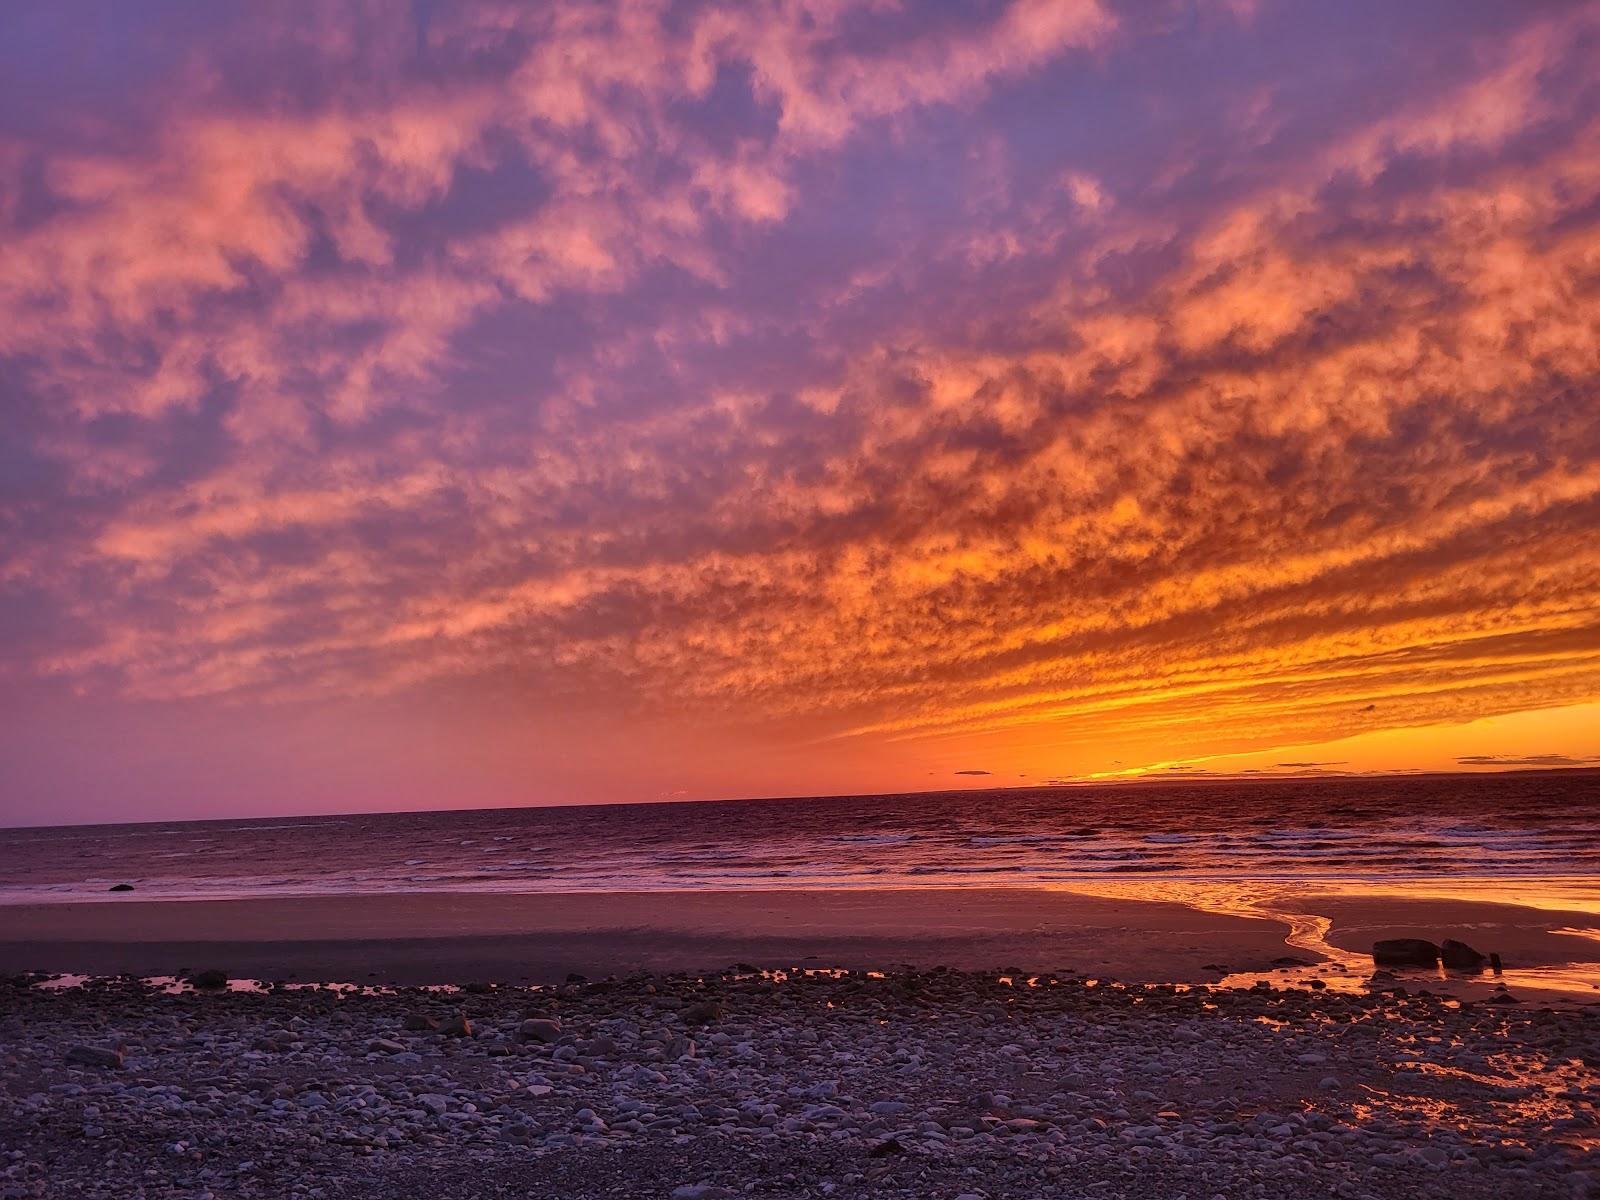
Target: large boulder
x=212, y=980
x=1458, y=956
x=1405, y=952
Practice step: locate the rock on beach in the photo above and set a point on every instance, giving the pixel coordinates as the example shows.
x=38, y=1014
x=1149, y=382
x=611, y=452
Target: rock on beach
x=1405, y=952
x=917, y=1084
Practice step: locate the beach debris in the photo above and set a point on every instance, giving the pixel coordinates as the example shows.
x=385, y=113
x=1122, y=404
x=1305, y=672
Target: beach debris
x=1458, y=956
x=1405, y=952
x=94, y=1056
x=211, y=980
x=120, y=887
x=457, y=1026
x=540, y=1029
x=420, y=1023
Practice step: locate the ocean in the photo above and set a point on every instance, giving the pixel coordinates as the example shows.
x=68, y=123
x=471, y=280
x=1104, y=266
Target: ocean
x=1536, y=826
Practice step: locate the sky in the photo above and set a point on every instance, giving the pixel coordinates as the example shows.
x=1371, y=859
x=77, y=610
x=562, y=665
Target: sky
x=451, y=404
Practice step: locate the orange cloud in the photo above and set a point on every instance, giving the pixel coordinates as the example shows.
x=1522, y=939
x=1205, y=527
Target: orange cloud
x=647, y=363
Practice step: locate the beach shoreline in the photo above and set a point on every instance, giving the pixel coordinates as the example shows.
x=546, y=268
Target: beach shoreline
x=1193, y=936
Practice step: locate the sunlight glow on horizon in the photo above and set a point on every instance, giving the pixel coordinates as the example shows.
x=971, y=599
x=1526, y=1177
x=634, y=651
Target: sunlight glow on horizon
x=458, y=405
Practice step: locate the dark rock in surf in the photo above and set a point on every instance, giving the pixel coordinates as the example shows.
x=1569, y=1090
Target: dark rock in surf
x=120, y=887
x=1459, y=956
x=1405, y=952
x=212, y=980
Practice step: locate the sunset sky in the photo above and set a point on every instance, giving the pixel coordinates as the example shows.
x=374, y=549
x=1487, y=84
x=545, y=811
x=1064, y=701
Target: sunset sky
x=446, y=404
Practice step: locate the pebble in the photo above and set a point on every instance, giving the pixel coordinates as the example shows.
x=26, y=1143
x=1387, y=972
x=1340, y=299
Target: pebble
x=862, y=1085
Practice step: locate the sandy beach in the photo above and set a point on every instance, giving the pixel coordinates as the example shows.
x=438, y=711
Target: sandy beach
x=710, y=1045
x=441, y=938
x=433, y=938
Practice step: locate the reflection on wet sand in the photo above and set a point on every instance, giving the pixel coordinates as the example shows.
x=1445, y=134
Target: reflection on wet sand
x=1306, y=908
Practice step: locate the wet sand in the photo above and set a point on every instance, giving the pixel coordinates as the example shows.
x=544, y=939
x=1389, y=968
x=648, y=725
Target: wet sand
x=434, y=938
x=445, y=937
x=1523, y=936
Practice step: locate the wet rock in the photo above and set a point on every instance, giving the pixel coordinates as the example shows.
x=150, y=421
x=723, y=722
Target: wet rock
x=212, y=980
x=1405, y=952
x=1458, y=956
x=120, y=887
x=94, y=1056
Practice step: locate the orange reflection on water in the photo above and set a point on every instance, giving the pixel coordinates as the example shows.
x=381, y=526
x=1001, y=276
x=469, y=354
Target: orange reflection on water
x=1309, y=909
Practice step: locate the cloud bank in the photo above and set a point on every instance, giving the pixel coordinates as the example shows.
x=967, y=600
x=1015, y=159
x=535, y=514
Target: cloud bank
x=1180, y=375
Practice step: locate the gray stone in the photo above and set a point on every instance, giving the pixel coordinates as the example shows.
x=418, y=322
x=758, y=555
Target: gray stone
x=94, y=1056
x=702, y=1012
